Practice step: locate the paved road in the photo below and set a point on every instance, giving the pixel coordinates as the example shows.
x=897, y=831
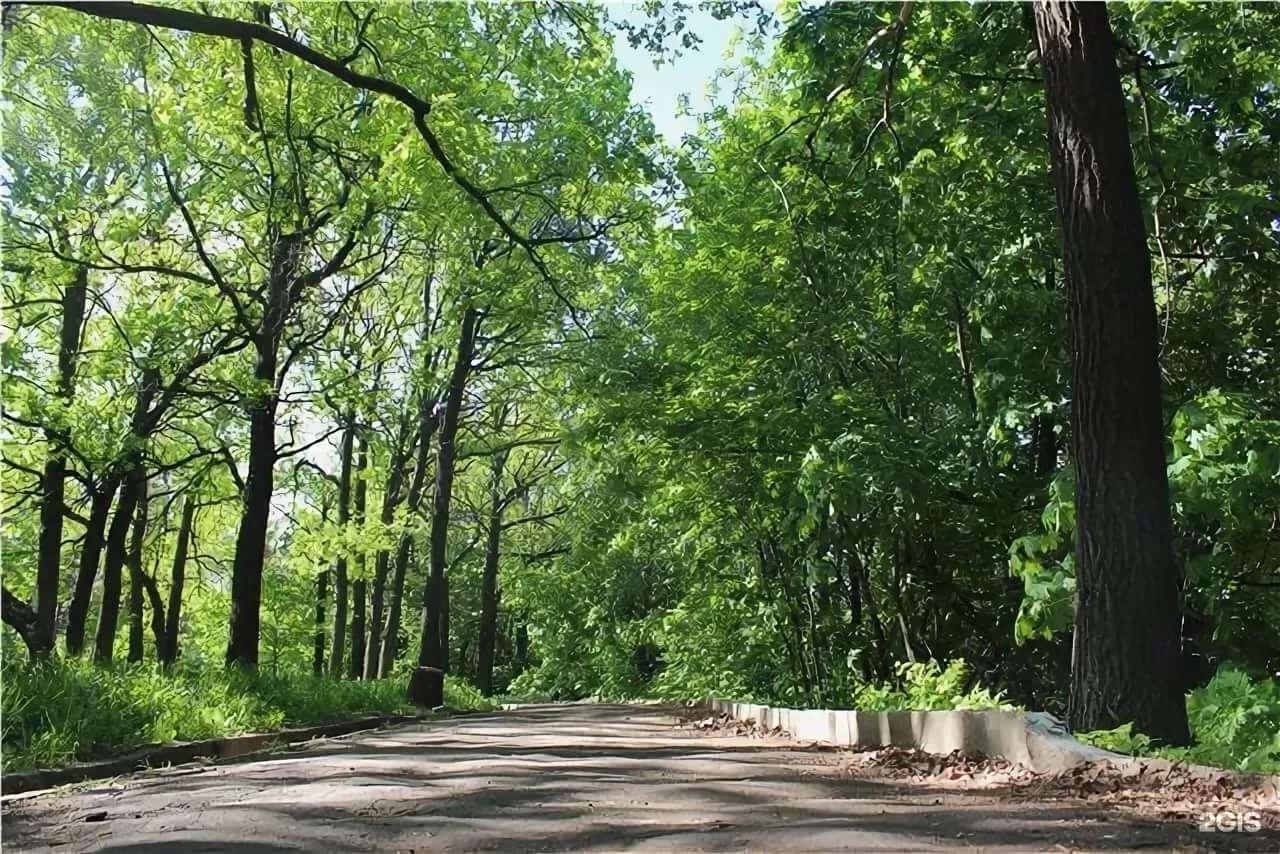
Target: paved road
x=557, y=778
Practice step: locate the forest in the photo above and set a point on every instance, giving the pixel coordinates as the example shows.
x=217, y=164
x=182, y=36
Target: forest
x=349, y=345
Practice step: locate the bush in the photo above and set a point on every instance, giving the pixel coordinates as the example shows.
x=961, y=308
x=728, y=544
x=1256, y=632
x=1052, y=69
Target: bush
x=927, y=686
x=60, y=711
x=1235, y=723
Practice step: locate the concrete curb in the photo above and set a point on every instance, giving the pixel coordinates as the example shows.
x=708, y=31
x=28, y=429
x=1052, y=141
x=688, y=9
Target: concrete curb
x=159, y=755
x=1034, y=740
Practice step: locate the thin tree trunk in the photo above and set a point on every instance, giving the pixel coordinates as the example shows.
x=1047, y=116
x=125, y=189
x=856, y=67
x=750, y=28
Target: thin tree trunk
x=522, y=648
x=426, y=689
x=116, y=546
x=178, y=577
x=962, y=348
x=137, y=619
x=489, y=582
x=1044, y=445
x=359, y=586
x=53, y=480
x=90, y=556
x=113, y=564
x=1126, y=661
x=427, y=424
x=445, y=614
x=322, y=591
x=338, y=644
x=391, y=628
x=391, y=499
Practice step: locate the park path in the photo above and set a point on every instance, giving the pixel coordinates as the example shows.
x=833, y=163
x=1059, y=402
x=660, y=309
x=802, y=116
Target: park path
x=555, y=778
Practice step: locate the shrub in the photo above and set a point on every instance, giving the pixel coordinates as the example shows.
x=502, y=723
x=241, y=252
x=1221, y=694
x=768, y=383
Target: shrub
x=1235, y=723
x=927, y=686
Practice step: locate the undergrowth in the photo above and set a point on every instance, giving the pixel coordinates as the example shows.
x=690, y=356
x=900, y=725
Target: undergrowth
x=927, y=686
x=1235, y=723
x=61, y=711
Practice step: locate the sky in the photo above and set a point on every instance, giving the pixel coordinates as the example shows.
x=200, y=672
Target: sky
x=691, y=73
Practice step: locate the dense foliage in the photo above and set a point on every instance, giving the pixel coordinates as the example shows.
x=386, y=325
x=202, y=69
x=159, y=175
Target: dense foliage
x=826, y=429
x=295, y=349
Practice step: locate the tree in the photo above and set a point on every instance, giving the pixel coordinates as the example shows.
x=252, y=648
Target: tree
x=1126, y=661
x=426, y=685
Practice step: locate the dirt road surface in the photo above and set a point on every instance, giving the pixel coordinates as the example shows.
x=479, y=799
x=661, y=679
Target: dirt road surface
x=569, y=777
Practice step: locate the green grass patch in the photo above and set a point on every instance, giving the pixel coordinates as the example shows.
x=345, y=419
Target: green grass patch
x=61, y=711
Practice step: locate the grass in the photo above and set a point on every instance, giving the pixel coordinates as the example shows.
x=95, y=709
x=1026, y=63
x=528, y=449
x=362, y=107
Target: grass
x=63, y=711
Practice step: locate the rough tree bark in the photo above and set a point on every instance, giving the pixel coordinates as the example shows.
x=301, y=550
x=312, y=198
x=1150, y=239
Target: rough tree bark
x=426, y=687
x=1126, y=663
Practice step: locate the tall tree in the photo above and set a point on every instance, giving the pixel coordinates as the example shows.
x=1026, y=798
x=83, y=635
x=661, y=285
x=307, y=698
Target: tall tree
x=426, y=685
x=428, y=422
x=1126, y=661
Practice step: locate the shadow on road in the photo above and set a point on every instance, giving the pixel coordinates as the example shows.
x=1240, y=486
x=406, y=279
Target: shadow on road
x=569, y=778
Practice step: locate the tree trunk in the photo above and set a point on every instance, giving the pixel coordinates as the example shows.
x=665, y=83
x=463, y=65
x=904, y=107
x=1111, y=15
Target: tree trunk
x=489, y=582
x=359, y=586
x=53, y=481
x=391, y=628
x=251, y=538
x=116, y=555
x=433, y=652
x=137, y=619
x=445, y=614
x=20, y=617
x=1044, y=446
x=90, y=555
x=382, y=563
x=1126, y=661
x=322, y=590
x=135, y=481
x=427, y=424
x=338, y=644
x=168, y=651
x=522, y=648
